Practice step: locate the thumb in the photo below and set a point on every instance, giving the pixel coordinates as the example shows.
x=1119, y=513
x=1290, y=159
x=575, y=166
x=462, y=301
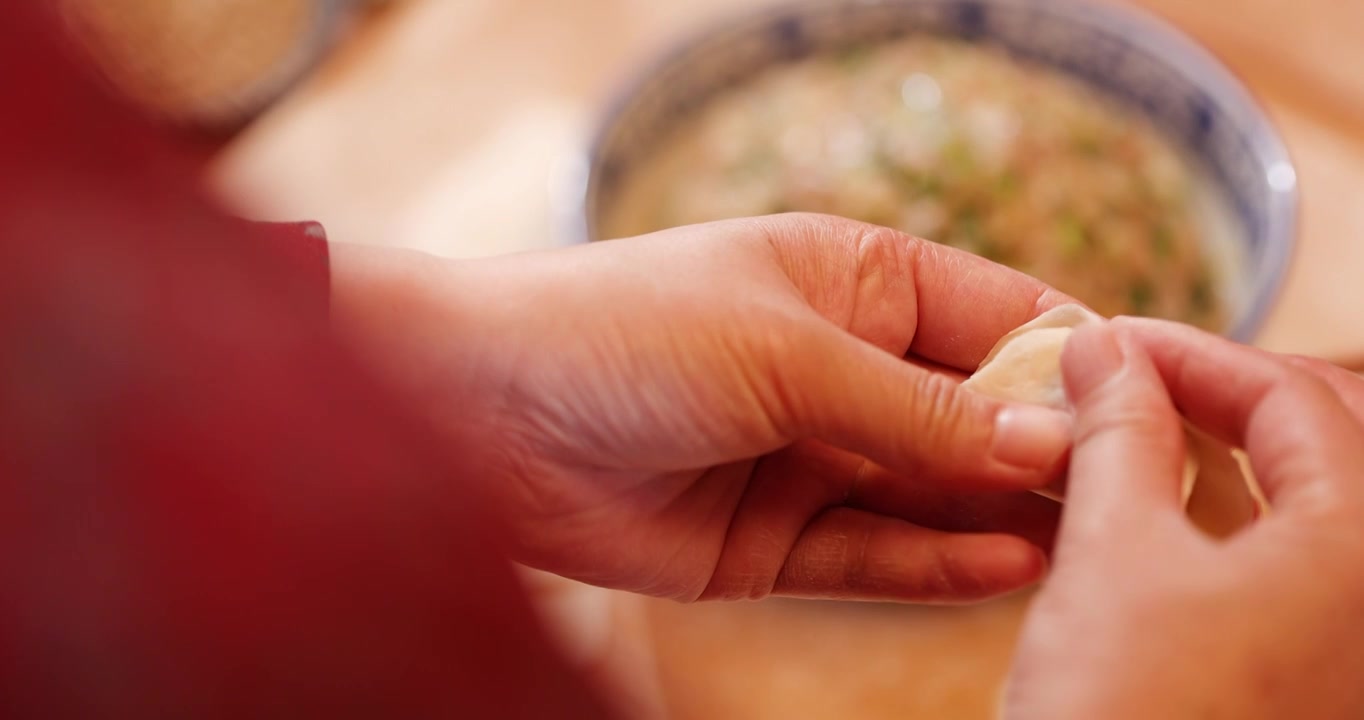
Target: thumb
x=919, y=422
x=1128, y=459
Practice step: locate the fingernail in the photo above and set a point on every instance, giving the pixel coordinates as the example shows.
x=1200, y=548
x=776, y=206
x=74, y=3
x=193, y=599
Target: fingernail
x=1030, y=437
x=1096, y=358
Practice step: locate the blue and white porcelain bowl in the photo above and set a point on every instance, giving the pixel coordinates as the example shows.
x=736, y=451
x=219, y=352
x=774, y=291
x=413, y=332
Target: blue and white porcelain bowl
x=1136, y=60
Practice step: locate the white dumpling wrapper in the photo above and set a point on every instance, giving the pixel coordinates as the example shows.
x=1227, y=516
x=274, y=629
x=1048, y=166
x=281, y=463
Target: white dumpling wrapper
x=1025, y=366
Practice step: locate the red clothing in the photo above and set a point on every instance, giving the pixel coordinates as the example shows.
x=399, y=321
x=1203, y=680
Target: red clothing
x=209, y=509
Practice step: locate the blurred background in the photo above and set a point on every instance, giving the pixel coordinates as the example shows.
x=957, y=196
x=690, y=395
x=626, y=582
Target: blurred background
x=460, y=127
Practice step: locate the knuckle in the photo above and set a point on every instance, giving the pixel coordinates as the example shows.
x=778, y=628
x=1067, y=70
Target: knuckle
x=1288, y=377
x=1303, y=381
x=884, y=255
x=942, y=577
x=1309, y=364
x=1048, y=298
x=877, y=241
x=876, y=254
x=1127, y=420
x=829, y=560
x=800, y=226
x=938, y=407
x=947, y=576
x=1316, y=369
x=941, y=420
x=857, y=573
x=967, y=583
x=1302, y=387
x=745, y=586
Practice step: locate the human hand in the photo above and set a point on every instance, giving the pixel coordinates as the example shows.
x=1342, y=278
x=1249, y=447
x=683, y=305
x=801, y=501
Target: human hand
x=726, y=411
x=1144, y=616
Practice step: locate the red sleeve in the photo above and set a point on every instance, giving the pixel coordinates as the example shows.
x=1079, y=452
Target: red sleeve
x=303, y=246
x=208, y=509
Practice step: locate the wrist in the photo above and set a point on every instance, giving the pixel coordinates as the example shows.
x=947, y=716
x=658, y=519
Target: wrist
x=378, y=295
x=413, y=319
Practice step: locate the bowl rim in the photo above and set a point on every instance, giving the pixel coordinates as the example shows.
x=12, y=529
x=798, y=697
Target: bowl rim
x=1139, y=26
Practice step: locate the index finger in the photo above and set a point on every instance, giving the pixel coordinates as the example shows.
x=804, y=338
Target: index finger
x=904, y=293
x=967, y=303
x=1128, y=458
x=1301, y=440
x=1348, y=386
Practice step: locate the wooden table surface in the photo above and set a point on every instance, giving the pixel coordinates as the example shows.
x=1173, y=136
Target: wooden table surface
x=448, y=125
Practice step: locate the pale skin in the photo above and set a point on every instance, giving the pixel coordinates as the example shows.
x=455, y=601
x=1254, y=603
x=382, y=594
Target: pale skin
x=770, y=407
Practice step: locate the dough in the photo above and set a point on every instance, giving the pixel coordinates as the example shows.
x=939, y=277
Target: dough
x=1025, y=366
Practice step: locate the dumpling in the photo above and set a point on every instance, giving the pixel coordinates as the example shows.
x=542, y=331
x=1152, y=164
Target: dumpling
x=1025, y=366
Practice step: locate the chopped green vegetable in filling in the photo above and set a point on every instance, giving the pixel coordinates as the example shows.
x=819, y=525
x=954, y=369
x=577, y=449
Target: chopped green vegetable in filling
x=1201, y=300
x=1163, y=240
x=1072, y=237
x=957, y=143
x=854, y=57
x=1140, y=296
x=1007, y=185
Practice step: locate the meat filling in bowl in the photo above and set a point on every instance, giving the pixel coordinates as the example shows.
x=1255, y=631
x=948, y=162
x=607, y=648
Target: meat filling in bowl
x=962, y=144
